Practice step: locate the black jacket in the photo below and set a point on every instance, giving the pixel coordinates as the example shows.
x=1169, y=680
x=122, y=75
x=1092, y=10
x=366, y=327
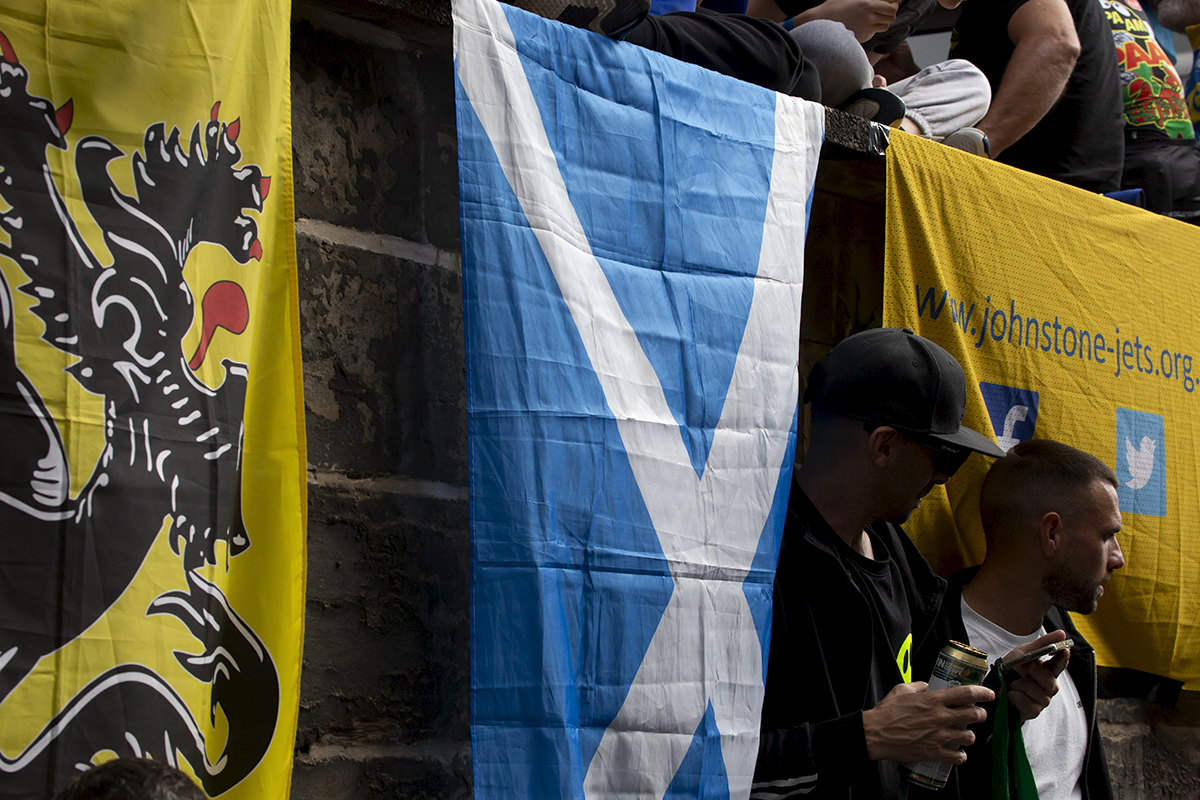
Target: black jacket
x=974, y=779
x=812, y=740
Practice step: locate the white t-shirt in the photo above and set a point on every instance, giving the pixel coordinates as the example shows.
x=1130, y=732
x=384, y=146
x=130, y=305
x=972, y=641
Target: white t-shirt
x=1055, y=740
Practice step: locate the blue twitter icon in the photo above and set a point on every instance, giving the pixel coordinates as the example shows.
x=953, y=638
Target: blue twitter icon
x=1141, y=463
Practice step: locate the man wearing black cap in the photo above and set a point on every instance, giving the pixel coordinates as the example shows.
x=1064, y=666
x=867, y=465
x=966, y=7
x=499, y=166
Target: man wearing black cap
x=853, y=599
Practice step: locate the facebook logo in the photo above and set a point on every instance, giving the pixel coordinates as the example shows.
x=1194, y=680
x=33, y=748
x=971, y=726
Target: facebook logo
x=1141, y=463
x=1013, y=412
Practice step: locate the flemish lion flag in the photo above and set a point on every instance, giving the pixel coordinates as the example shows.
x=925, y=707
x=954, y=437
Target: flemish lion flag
x=633, y=240
x=151, y=483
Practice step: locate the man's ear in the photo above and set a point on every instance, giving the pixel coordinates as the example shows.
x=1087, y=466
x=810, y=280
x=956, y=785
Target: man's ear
x=1050, y=529
x=882, y=444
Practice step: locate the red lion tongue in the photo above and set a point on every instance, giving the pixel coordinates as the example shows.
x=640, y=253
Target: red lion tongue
x=224, y=306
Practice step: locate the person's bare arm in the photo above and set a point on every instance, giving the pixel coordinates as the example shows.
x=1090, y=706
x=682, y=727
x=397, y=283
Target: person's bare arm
x=896, y=65
x=766, y=9
x=1046, y=47
x=863, y=18
x=914, y=724
x=1176, y=15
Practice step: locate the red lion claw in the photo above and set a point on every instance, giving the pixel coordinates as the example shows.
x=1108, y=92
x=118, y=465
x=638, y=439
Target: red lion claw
x=256, y=250
x=233, y=129
x=216, y=109
x=6, y=49
x=264, y=187
x=64, y=116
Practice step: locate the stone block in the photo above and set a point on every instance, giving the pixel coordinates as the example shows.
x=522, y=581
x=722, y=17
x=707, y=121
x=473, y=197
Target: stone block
x=434, y=772
x=387, y=627
x=384, y=374
x=374, y=144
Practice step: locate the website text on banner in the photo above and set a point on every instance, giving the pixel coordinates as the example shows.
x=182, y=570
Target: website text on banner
x=633, y=238
x=152, y=485
x=1073, y=317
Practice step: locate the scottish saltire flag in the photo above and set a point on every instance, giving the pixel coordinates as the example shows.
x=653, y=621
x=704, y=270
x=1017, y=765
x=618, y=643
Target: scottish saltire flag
x=633, y=239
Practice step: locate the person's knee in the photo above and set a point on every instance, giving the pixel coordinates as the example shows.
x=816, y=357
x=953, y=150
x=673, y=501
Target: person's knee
x=840, y=60
x=945, y=96
x=830, y=44
x=970, y=78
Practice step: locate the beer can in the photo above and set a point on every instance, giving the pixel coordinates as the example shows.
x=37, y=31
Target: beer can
x=957, y=665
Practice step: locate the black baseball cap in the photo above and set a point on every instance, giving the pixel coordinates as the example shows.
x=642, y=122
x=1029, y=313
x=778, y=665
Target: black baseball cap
x=893, y=377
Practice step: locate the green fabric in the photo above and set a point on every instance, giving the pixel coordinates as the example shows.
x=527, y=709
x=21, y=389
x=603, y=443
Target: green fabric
x=1012, y=778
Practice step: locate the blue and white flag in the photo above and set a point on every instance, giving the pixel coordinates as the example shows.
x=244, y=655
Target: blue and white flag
x=633, y=244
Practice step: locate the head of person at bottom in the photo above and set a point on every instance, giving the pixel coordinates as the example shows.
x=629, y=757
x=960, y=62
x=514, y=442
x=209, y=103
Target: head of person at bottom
x=132, y=779
x=1050, y=519
x=886, y=427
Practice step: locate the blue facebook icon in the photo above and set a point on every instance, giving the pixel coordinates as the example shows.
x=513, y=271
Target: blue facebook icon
x=1013, y=413
x=1141, y=463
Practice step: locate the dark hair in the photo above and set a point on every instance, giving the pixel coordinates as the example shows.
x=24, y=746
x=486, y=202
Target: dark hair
x=132, y=779
x=1034, y=475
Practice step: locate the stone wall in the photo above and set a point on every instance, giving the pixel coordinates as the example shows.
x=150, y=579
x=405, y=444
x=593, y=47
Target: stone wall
x=385, y=703
x=385, y=697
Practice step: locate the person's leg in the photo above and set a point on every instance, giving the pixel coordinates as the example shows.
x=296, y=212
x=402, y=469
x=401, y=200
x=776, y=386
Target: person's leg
x=944, y=97
x=1186, y=160
x=612, y=18
x=753, y=50
x=840, y=60
x=1168, y=171
x=1148, y=167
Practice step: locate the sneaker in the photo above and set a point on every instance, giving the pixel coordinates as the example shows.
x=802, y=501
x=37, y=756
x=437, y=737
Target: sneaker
x=877, y=105
x=970, y=140
x=611, y=18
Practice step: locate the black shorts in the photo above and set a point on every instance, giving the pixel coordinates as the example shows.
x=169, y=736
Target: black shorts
x=754, y=50
x=1168, y=170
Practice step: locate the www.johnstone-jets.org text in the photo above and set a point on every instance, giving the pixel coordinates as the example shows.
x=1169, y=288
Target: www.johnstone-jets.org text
x=1015, y=328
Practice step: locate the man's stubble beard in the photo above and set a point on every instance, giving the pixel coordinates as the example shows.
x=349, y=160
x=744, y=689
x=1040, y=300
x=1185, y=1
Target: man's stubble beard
x=1071, y=593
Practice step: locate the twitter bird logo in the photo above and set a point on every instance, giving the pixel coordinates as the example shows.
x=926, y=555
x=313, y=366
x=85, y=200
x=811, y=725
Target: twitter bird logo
x=1145, y=490
x=1139, y=462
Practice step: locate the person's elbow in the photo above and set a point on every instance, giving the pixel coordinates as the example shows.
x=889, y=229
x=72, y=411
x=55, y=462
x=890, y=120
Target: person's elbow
x=1179, y=19
x=1175, y=15
x=1058, y=50
x=1172, y=23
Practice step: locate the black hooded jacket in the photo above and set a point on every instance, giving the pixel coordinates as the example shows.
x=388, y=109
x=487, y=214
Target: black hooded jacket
x=974, y=778
x=821, y=659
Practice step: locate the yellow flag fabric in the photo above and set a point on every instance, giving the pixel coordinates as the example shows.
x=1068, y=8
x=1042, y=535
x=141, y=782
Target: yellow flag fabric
x=1073, y=316
x=152, y=482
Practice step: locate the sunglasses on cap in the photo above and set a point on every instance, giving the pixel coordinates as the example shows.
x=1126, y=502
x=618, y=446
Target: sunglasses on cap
x=947, y=459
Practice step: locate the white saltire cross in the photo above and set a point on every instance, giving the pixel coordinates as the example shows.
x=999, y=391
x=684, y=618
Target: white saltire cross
x=706, y=648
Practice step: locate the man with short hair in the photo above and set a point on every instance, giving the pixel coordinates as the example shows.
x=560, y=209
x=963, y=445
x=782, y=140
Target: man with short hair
x=853, y=599
x=1050, y=517
x=132, y=779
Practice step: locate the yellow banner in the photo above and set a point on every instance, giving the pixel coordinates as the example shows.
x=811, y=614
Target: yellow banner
x=1074, y=318
x=152, y=483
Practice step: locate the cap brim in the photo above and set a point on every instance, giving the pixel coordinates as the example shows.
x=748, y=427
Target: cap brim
x=971, y=440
